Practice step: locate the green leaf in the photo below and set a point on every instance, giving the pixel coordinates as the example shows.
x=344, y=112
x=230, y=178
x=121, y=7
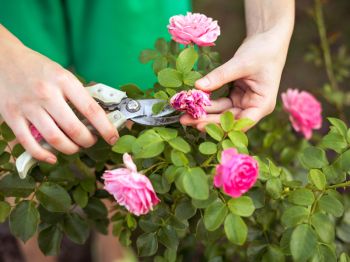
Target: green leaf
x=214, y=215
x=161, y=95
x=148, y=145
x=160, y=63
x=180, y=144
x=274, y=187
x=302, y=197
x=325, y=254
x=331, y=205
x=323, y=227
x=162, y=46
x=196, y=183
x=168, y=237
x=24, y=220
x=343, y=161
x=242, y=206
x=317, y=178
x=344, y=257
x=53, y=197
x=95, y=209
x=313, y=157
x=348, y=136
x=273, y=253
x=160, y=183
x=238, y=138
x=242, y=124
x=166, y=133
x=5, y=158
x=158, y=107
x=226, y=120
x=334, y=141
x=12, y=185
x=6, y=132
x=147, y=55
x=3, y=146
x=178, y=158
x=186, y=59
x=205, y=203
x=50, y=240
x=80, y=196
x=124, y=144
x=169, y=77
x=208, y=148
x=5, y=209
x=132, y=91
x=235, y=229
x=303, y=242
x=185, y=210
x=147, y=244
x=76, y=228
x=191, y=77
x=339, y=125
x=215, y=131
x=294, y=215
x=227, y=143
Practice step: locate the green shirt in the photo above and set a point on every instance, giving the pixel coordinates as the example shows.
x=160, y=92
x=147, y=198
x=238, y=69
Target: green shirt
x=100, y=39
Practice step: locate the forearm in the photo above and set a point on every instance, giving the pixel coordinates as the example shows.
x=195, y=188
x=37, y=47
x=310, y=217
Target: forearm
x=265, y=15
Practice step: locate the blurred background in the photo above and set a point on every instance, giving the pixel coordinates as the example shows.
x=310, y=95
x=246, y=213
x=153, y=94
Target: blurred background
x=297, y=73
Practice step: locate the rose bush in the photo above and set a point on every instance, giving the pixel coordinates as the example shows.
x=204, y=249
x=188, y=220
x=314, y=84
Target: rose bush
x=183, y=195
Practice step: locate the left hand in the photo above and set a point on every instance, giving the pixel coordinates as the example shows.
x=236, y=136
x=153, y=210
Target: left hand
x=256, y=69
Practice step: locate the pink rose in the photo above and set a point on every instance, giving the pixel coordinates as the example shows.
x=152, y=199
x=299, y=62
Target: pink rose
x=304, y=109
x=131, y=189
x=192, y=102
x=35, y=133
x=237, y=173
x=194, y=28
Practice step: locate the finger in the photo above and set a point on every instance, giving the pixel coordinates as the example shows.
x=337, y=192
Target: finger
x=219, y=105
x=69, y=123
x=219, y=76
x=21, y=130
x=81, y=99
x=50, y=131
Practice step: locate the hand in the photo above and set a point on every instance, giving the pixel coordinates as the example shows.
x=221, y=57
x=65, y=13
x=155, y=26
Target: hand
x=35, y=90
x=256, y=70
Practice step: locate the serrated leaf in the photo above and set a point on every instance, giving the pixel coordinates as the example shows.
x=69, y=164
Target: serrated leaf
x=147, y=244
x=49, y=240
x=317, y=178
x=53, y=197
x=191, y=77
x=294, y=215
x=302, y=197
x=313, y=157
x=180, y=144
x=186, y=59
x=238, y=138
x=196, y=183
x=323, y=226
x=24, y=220
x=12, y=185
x=331, y=205
x=242, y=206
x=76, y=228
x=124, y=144
x=303, y=242
x=169, y=77
x=242, y=124
x=208, y=148
x=339, y=125
x=214, y=131
x=235, y=229
x=80, y=196
x=227, y=120
x=214, y=215
x=168, y=237
x=5, y=209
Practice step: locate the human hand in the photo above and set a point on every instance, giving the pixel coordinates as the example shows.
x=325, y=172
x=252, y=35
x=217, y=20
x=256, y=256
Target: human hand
x=256, y=70
x=35, y=90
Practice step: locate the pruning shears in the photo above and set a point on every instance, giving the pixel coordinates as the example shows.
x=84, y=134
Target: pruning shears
x=119, y=108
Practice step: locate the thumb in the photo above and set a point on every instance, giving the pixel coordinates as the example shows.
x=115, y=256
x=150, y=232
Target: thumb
x=221, y=75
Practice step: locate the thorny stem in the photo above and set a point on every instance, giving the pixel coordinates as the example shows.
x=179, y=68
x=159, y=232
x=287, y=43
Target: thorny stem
x=319, y=18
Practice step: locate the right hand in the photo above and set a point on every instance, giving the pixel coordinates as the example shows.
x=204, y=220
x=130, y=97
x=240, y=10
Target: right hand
x=34, y=89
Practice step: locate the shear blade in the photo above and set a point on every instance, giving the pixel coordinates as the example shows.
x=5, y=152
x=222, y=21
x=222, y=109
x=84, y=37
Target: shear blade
x=157, y=121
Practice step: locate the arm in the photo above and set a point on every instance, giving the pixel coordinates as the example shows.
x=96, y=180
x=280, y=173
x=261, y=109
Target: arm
x=256, y=67
x=35, y=90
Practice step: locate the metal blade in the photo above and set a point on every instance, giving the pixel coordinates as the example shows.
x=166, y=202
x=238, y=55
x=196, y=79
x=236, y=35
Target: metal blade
x=157, y=121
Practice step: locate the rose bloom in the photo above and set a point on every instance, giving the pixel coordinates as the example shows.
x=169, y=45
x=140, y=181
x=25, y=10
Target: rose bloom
x=35, y=133
x=236, y=173
x=194, y=28
x=131, y=189
x=191, y=102
x=305, y=112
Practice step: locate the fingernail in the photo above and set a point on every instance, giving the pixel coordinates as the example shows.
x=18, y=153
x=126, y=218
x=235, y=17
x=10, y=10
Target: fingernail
x=113, y=140
x=51, y=160
x=203, y=82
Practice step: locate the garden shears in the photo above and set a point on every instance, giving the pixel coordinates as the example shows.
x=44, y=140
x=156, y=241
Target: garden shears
x=119, y=108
